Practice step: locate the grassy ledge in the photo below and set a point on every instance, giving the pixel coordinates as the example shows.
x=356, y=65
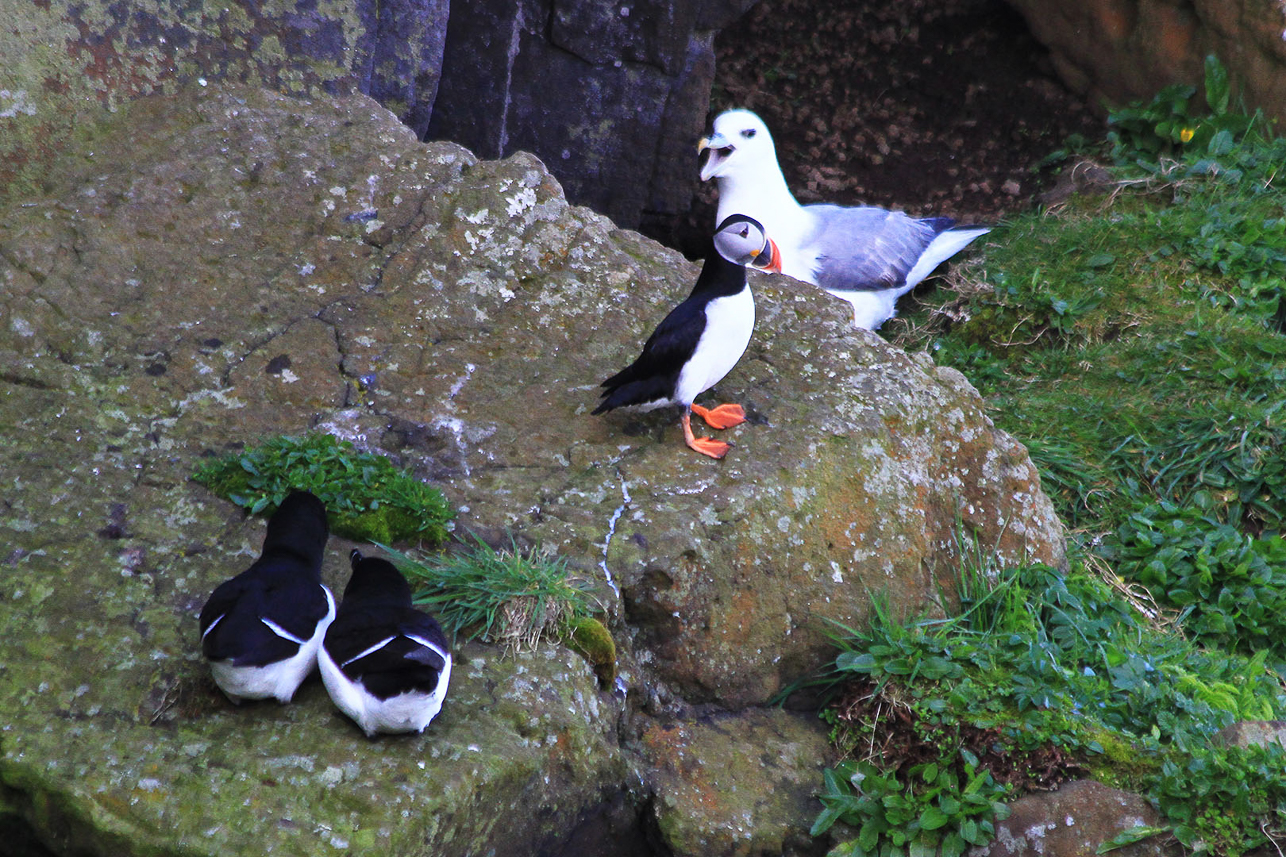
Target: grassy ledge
x=1133, y=339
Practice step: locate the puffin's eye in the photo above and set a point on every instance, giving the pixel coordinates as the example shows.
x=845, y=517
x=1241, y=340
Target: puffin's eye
x=748, y=133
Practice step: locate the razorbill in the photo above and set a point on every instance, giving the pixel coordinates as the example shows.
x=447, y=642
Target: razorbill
x=260, y=631
x=384, y=663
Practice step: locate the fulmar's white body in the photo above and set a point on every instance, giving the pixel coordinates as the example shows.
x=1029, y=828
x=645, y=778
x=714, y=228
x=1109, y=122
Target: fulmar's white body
x=865, y=255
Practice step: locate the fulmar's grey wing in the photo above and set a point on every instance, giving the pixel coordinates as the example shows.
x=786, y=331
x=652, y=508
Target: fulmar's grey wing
x=866, y=248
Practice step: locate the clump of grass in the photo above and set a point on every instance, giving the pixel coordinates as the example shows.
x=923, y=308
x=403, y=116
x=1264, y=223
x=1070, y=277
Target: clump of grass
x=509, y=597
x=367, y=497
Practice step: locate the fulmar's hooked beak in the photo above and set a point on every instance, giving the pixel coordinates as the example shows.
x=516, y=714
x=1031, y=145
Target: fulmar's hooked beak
x=719, y=148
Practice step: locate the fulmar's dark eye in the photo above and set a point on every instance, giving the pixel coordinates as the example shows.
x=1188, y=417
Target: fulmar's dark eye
x=748, y=133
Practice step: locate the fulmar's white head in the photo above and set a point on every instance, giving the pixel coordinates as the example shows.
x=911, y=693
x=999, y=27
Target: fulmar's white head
x=740, y=143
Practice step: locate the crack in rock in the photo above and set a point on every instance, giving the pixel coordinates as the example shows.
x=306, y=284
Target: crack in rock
x=611, y=531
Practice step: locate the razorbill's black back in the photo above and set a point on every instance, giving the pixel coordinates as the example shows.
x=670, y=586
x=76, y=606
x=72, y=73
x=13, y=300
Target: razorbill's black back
x=260, y=631
x=384, y=663
x=699, y=342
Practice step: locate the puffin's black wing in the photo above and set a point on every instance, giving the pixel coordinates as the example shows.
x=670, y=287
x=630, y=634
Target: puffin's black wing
x=389, y=654
x=653, y=375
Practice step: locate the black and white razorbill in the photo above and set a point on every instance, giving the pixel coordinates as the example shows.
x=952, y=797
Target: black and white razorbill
x=866, y=255
x=384, y=663
x=699, y=342
x=260, y=631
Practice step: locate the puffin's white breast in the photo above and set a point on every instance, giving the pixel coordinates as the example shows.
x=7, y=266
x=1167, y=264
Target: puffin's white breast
x=729, y=323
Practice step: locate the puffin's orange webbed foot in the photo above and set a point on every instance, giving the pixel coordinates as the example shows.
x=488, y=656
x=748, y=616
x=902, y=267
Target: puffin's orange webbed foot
x=704, y=445
x=711, y=447
x=722, y=417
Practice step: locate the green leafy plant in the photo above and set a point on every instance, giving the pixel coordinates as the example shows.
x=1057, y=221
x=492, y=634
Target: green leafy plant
x=1232, y=586
x=1225, y=800
x=1036, y=677
x=1170, y=123
x=512, y=598
x=367, y=497
x=937, y=810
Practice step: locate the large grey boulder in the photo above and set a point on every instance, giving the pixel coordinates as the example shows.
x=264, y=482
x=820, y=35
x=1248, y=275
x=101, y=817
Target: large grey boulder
x=209, y=269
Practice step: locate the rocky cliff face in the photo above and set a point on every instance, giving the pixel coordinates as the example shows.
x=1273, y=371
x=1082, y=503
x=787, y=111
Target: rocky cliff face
x=211, y=268
x=1120, y=50
x=612, y=96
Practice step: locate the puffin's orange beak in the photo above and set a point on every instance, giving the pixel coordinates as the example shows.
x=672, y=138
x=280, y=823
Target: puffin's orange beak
x=773, y=264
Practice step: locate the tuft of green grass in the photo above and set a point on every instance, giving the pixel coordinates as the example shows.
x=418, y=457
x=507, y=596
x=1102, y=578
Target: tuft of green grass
x=367, y=498
x=508, y=597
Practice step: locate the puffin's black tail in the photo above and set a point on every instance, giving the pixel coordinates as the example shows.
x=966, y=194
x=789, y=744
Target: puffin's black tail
x=637, y=392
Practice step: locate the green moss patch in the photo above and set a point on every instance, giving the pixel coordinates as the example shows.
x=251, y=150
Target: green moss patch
x=367, y=497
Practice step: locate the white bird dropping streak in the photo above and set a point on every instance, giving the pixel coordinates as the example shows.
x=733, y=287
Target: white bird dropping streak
x=611, y=531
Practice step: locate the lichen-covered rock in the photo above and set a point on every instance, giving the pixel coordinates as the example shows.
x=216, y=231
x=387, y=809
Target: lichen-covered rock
x=209, y=269
x=737, y=784
x=1251, y=733
x=1074, y=821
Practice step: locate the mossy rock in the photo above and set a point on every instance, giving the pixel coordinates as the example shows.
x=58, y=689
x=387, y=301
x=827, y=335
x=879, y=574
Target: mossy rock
x=590, y=638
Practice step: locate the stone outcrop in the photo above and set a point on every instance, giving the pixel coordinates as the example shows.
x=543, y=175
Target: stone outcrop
x=612, y=96
x=737, y=784
x=205, y=270
x=1075, y=821
x=1121, y=50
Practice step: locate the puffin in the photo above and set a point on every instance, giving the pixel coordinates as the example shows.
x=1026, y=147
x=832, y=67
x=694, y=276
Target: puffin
x=701, y=339
x=260, y=630
x=866, y=255
x=385, y=664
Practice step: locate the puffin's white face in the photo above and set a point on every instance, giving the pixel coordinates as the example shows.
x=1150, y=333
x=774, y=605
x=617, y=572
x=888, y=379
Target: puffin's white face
x=740, y=142
x=743, y=241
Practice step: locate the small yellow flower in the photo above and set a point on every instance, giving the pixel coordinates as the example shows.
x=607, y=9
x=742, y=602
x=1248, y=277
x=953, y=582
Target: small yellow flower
x=1186, y=134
